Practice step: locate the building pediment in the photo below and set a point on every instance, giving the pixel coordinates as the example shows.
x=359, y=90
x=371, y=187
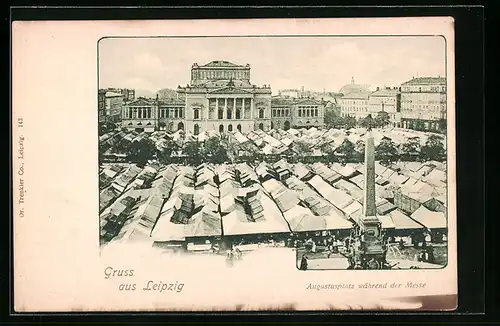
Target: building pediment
x=140, y=102
x=308, y=102
x=230, y=90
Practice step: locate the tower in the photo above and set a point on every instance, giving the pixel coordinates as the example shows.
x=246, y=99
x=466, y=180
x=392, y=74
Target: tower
x=369, y=206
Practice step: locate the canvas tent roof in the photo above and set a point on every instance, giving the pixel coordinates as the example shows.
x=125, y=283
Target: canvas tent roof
x=165, y=230
x=239, y=223
x=301, y=219
x=430, y=219
x=204, y=224
x=403, y=221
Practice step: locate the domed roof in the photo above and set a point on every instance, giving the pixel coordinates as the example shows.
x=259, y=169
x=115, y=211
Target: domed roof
x=354, y=88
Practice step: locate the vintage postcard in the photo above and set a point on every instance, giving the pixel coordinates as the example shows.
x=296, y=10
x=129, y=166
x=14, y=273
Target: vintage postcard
x=234, y=165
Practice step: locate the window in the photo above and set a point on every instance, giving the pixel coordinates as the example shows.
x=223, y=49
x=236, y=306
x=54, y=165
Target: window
x=176, y=113
x=238, y=127
x=196, y=129
x=230, y=128
x=221, y=114
x=300, y=113
x=196, y=114
x=274, y=112
x=221, y=128
x=261, y=126
x=261, y=113
x=180, y=126
x=181, y=112
x=238, y=113
x=229, y=114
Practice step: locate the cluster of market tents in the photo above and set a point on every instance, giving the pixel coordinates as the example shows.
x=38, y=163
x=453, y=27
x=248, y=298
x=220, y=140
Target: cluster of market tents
x=176, y=202
x=272, y=142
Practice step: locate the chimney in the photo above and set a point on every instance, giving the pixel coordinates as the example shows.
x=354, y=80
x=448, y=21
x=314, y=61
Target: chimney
x=369, y=207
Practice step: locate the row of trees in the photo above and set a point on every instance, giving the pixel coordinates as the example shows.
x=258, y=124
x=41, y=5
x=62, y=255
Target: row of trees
x=333, y=120
x=386, y=151
x=218, y=150
x=140, y=152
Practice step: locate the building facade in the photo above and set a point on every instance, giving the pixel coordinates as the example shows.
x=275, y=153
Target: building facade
x=423, y=103
x=220, y=97
x=150, y=115
x=308, y=113
x=387, y=100
x=101, y=106
x=127, y=93
x=281, y=112
x=289, y=113
x=113, y=106
x=171, y=114
x=355, y=104
x=140, y=115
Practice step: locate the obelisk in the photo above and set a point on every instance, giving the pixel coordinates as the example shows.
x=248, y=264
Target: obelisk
x=369, y=206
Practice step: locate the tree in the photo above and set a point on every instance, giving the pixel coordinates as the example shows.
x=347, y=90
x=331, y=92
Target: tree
x=411, y=148
x=220, y=156
x=360, y=150
x=442, y=125
x=386, y=151
x=107, y=127
x=214, y=151
x=382, y=119
x=349, y=122
x=165, y=155
x=347, y=149
x=434, y=148
x=122, y=146
x=329, y=150
x=192, y=150
x=332, y=120
x=211, y=145
x=141, y=151
x=367, y=122
x=302, y=148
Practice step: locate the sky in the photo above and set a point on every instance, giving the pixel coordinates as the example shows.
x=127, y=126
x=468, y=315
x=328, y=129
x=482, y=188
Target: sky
x=316, y=63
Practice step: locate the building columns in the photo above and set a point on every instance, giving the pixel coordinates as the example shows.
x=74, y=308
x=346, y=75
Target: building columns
x=224, y=114
x=233, y=109
x=216, y=107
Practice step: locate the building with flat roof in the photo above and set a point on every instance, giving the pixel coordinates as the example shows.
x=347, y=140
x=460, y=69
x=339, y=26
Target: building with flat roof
x=423, y=103
x=113, y=106
x=387, y=100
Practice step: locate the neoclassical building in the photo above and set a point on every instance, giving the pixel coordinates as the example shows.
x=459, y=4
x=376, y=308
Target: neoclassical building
x=287, y=112
x=221, y=97
x=153, y=114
